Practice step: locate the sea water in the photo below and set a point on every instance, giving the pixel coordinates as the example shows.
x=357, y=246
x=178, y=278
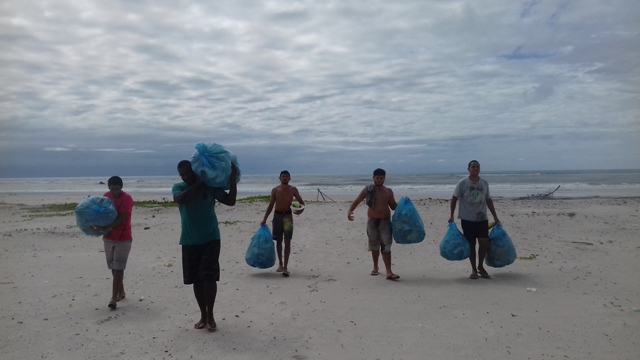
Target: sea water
x=516, y=184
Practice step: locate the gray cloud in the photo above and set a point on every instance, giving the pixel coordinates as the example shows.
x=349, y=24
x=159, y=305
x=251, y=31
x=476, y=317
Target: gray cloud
x=322, y=87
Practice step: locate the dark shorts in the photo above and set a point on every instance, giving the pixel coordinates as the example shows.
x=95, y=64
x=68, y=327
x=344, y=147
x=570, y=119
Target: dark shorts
x=200, y=262
x=282, y=225
x=473, y=230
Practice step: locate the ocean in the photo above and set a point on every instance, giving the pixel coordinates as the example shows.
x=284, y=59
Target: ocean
x=514, y=184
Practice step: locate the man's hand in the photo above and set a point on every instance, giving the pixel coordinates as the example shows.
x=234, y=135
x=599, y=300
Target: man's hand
x=350, y=215
x=198, y=183
x=100, y=229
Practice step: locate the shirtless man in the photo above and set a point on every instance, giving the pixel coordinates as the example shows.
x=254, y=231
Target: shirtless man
x=282, y=197
x=380, y=201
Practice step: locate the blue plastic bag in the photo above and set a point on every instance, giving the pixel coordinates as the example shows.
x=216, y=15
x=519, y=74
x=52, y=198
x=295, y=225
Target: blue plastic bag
x=212, y=163
x=454, y=245
x=501, y=251
x=261, y=253
x=95, y=210
x=406, y=225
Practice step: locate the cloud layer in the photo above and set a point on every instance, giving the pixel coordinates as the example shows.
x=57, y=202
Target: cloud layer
x=101, y=87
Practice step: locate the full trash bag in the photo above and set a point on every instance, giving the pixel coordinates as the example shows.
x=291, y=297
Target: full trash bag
x=261, y=253
x=406, y=224
x=212, y=163
x=501, y=251
x=95, y=210
x=454, y=246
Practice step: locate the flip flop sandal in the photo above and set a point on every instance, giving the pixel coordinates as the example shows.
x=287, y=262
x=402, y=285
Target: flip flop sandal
x=200, y=325
x=211, y=325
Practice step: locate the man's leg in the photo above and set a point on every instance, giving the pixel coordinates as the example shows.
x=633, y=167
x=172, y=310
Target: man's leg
x=373, y=234
x=287, y=227
x=469, y=229
x=287, y=251
x=278, y=231
x=472, y=258
x=118, y=276
x=386, y=258
x=210, y=292
x=279, y=252
x=199, y=292
x=375, y=255
x=386, y=238
x=483, y=244
x=210, y=274
x=118, y=281
x=206, y=292
x=120, y=256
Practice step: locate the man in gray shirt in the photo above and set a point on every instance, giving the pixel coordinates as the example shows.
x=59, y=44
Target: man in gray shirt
x=475, y=198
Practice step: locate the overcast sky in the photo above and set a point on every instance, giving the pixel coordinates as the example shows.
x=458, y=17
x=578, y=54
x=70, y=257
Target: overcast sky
x=96, y=88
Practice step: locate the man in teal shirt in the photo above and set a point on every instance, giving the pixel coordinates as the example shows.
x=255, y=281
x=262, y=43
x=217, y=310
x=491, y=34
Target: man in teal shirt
x=200, y=236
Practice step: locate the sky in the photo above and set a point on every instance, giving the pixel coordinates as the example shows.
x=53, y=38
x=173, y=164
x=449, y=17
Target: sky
x=100, y=88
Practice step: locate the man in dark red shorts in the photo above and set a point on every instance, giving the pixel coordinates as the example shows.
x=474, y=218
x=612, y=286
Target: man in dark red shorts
x=282, y=198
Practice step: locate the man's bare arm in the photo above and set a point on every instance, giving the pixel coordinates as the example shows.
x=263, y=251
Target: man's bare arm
x=230, y=198
x=272, y=202
x=296, y=194
x=355, y=203
x=184, y=196
x=493, y=211
x=392, y=200
x=452, y=206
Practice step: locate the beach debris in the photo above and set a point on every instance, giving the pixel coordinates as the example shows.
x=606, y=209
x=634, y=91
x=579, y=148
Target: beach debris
x=141, y=298
x=168, y=264
x=540, y=196
x=147, y=227
x=323, y=195
x=531, y=289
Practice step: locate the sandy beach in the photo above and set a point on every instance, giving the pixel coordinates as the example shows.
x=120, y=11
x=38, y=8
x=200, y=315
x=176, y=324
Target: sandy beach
x=569, y=295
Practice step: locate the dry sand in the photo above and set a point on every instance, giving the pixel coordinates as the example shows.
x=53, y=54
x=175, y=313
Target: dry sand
x=54, y=289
